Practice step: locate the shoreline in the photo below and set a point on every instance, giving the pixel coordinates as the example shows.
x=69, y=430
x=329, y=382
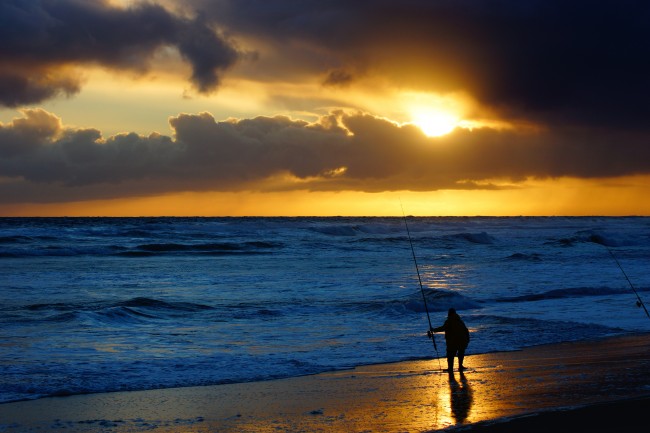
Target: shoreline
x=328, y=372
x=547, y=382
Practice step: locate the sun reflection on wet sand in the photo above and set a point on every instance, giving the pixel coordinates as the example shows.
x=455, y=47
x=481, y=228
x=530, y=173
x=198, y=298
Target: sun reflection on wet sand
x=460, y=396
x=411, y=396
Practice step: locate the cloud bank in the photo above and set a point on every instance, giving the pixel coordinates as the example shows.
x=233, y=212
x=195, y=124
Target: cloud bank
x=44, y=42
x=576, y=70
x=42, y=160
x=552, y=61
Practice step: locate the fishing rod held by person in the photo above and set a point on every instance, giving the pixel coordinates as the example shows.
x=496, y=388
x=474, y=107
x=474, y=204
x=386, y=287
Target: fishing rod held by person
x=424, y=298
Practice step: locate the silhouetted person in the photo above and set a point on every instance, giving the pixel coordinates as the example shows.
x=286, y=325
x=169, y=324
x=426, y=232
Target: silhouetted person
x=456, y=337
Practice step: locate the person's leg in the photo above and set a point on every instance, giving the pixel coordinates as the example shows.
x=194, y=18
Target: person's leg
x=461, y=357
x=451, y=353
x=450, y=363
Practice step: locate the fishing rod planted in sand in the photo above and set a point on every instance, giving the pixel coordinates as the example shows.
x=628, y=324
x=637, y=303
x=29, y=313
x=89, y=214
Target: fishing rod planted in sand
x=424, y=298
x=639, y=302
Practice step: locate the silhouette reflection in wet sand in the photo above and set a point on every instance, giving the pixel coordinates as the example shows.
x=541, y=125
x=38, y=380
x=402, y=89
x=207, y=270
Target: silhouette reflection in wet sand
x=460, y=394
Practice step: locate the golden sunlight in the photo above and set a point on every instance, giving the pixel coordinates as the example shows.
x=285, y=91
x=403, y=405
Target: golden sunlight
x=435, y=123
x=434, y=114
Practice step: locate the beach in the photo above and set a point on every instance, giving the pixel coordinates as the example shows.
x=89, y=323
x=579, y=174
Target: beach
x=593, y=384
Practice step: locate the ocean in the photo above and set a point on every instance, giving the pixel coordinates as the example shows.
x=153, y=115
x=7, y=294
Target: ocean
x=93, y=305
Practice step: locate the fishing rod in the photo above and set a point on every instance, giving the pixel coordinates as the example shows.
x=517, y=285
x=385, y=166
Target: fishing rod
x=424, y=298
x=639, y=301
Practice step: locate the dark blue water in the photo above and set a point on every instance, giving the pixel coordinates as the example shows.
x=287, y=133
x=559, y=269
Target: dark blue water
x=105, y=304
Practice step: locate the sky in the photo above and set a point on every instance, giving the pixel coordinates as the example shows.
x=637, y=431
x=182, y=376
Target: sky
x=324, y=107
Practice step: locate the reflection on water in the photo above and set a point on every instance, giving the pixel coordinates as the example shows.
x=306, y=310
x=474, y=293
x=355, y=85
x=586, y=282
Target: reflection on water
x=460, y=394
x=388, y=398
x=385, y=398
x=454, y=401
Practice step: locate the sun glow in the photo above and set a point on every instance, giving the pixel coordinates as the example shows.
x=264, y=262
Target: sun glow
x=435, y=114
x=435, y=123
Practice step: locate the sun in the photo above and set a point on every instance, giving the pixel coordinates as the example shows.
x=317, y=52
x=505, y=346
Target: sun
x=435, y=114
x=435, y=123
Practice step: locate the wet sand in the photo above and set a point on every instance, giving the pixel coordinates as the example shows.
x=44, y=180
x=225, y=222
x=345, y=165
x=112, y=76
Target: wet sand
x=605, y=382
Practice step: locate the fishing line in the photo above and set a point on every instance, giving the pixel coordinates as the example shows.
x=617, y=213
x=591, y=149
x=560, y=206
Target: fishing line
x=639, y=301
x=424, y=298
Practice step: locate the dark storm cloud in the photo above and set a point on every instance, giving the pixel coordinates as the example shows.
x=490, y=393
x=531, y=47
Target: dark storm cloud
x=41, y=160
x=554, y=61
x=19, y=86
x=40, y=38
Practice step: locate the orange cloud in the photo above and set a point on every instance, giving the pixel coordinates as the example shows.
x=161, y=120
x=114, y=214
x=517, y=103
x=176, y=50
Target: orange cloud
x=41, y=160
